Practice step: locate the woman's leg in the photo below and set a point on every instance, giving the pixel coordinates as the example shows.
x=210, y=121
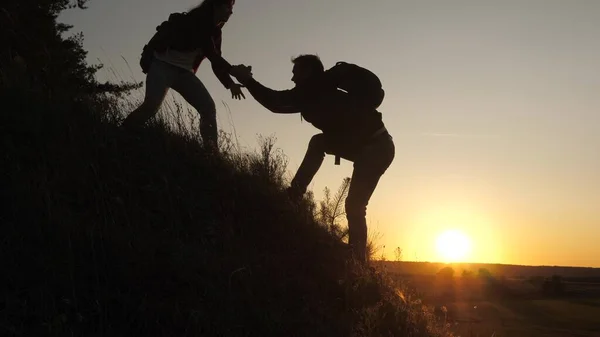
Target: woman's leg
x=194, y=92
x=158, y=81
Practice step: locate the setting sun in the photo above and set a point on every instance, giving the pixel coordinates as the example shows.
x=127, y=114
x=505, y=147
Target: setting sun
x=453, y=246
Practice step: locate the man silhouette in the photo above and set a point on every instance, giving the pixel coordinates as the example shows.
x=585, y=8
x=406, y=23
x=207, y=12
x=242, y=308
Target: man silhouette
x=350, y=130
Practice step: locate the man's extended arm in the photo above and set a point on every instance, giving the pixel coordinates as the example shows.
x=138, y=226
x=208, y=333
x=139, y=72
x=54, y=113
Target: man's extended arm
x=277, y=101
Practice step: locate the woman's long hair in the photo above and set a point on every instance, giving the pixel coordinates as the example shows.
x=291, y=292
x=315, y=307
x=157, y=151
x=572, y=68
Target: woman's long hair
x=205, y=8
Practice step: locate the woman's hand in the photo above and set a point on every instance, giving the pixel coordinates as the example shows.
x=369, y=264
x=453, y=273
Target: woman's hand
x=236, y=91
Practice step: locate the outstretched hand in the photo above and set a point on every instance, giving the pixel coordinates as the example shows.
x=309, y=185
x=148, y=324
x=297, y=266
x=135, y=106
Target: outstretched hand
x=236, y=91
x=241, y=72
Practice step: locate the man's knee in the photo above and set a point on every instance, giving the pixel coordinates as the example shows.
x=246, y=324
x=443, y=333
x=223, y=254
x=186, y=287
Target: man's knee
x=317, y=143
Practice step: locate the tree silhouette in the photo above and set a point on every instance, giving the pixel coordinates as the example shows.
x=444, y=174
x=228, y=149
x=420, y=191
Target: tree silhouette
x=484, y=273
x=331, y=209
x=37, y=52
x=446, y=273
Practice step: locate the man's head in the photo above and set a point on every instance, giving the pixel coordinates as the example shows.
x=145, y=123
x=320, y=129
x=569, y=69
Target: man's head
x=306, y=67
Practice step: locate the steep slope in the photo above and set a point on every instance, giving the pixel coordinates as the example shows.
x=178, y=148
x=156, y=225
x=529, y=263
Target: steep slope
x=112, y=234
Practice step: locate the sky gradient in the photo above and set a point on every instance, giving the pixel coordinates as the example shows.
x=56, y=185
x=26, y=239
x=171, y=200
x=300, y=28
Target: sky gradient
x=493, y=106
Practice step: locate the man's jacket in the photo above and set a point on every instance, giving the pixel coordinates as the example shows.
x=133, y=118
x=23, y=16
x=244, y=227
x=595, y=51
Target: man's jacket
x=325, y=107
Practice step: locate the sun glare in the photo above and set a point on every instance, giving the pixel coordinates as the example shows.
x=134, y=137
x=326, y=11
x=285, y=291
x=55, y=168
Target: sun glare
x=453, y=246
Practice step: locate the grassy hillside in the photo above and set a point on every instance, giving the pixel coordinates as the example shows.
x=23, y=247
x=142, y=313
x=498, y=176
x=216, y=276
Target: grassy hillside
x=112, y=234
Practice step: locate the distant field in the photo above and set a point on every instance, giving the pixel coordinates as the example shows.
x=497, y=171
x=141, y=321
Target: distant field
x=516, y=318
x=521, y=309
x=575, y=274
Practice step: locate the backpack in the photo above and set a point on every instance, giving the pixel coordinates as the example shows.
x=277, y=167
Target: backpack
x=358, y=82
x=159, y=39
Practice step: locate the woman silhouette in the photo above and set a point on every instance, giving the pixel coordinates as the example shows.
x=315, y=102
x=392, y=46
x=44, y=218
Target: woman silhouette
x=172, y=57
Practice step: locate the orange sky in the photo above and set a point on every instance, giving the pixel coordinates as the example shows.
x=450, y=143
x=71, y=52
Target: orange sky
x=493, y=107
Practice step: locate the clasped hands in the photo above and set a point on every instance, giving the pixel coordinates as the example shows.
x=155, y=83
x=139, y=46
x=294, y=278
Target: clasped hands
x=241, y=72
